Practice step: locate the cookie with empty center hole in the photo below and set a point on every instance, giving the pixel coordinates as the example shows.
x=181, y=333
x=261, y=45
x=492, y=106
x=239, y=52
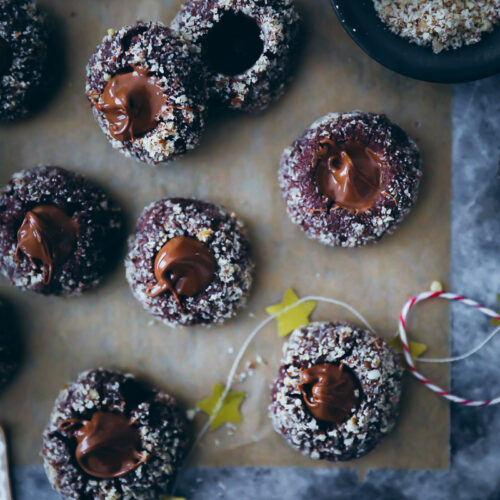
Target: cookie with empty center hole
x=248, y=47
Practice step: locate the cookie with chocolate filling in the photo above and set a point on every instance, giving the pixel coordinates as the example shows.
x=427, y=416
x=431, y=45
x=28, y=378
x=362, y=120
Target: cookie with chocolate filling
x=10, y=346
x=189, y=263
x=23, y=57
x=248, y=47
x=58, y=232
x=111, y=436
x=147, y=92
x=337, y=392
x=350, y=178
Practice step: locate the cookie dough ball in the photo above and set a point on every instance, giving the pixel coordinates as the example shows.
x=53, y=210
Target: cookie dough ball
x=147, y=92
x=110, y=436
x=248, y=47
x=10, y=346
x=189, y=262
x=23, y=57
x=350, y=178
x=337, y=392
x=58, y=232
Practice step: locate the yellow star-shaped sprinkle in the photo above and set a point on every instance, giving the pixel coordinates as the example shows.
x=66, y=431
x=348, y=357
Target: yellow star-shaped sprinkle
x=416, y=349
x=229, y=411
x=496, y=322
x=293, y=318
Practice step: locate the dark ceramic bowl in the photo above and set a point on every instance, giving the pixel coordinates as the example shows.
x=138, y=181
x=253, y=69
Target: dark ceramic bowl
x=359, y=19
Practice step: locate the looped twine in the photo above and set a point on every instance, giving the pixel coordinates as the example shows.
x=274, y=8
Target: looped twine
x=406, y=350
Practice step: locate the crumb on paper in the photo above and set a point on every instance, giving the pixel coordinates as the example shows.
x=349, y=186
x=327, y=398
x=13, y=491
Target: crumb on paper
x=191, y=413
x=248, y=371
x=260, y=360
x=436, y=286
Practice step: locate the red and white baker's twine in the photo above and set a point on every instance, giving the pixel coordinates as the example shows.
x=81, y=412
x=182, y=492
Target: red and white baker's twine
x=404, y=340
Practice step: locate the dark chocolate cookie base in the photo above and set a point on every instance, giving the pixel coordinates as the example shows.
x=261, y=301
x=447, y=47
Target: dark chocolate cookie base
x=265, y=80
x=100, y=229
x=221, y=231
x=25, y=31
x=10, y=346
x=377, y=370
x=176, y=69
x=160, y=424
x=314, y=213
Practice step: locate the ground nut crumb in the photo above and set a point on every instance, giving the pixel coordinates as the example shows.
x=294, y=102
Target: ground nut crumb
x=221, y=232
x=380, y=392
x=160, y=424
x=265, y=80
x=315, y=214
x=442, y=24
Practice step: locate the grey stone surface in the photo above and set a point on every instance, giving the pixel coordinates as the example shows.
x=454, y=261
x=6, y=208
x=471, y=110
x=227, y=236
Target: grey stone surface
x=475, y=433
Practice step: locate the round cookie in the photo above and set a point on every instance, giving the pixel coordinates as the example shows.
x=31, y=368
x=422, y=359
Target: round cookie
x=147, y=92
x=58, y=232
x=23, y=57
x=188, y=262
x=337, y=392
x=10, y=346
x=350, y=178
x=110, y=436
x=248, y=47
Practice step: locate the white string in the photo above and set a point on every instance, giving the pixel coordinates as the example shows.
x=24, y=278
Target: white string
x=461, y=356
x=262, y=324
x=234, y=367
x=242, y=352
x=230, y=377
